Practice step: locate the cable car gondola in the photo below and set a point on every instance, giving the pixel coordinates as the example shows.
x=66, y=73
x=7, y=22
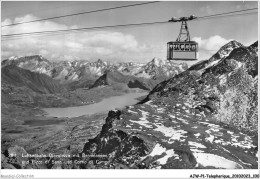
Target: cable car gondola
x=183, y=48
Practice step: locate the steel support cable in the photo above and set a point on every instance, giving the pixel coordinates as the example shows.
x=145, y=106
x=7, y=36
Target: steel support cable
x=80, y=13
x=102, y=27
x=225, y=13
x=86, y=28
x=54, y=33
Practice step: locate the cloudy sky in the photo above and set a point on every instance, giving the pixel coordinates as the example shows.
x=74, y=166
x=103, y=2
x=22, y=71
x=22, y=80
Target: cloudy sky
x=139, y=44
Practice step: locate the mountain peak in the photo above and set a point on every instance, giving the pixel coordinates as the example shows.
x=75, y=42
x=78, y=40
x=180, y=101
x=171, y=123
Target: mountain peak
x=157, y=62
x=99, y=61
x=234, y=42
x=40, y=58
x=156, y=59
x=13, y=58
x=225, y=50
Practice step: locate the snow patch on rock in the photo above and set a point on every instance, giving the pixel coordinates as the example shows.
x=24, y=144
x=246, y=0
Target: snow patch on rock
x=210, y=138
x=143, y=120
x=196, y=135
x=174, y=134
x=211, y=160
x=132, y=111
x=196, y=145
x=169, y=153
x=157, y=150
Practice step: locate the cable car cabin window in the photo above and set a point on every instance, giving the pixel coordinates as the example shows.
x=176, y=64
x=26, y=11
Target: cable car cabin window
x=176, y=47
x=182, y=47
x=193, y=47
x=187, y=47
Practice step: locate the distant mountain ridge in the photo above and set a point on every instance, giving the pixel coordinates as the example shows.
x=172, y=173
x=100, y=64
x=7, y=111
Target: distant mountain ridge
x=35, y=63
x=115, y=77
x=78, y=74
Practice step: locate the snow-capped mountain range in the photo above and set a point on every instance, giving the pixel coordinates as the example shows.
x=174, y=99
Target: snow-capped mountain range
x=71, y=71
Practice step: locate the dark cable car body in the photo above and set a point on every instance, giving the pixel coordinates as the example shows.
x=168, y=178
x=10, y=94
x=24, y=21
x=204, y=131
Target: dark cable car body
x=183, y=48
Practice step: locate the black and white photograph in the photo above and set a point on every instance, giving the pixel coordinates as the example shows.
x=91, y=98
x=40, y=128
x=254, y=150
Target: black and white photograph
x=129, y=85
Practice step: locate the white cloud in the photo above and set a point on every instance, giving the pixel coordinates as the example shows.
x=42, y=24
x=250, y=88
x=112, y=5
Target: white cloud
x=93, y=44
x=25, y=18
x=212, y=43
x=29, y=27
x=6, y=22
x=73, y=45
x=208, y=47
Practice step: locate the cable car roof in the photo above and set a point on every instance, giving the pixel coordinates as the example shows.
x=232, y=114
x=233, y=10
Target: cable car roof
x=182, y=42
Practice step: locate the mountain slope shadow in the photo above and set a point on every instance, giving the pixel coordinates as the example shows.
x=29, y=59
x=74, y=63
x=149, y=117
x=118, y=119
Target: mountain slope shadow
x=40, y=83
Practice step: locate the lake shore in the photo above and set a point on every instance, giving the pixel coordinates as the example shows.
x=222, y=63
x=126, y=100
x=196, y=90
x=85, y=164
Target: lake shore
x=104, y=105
